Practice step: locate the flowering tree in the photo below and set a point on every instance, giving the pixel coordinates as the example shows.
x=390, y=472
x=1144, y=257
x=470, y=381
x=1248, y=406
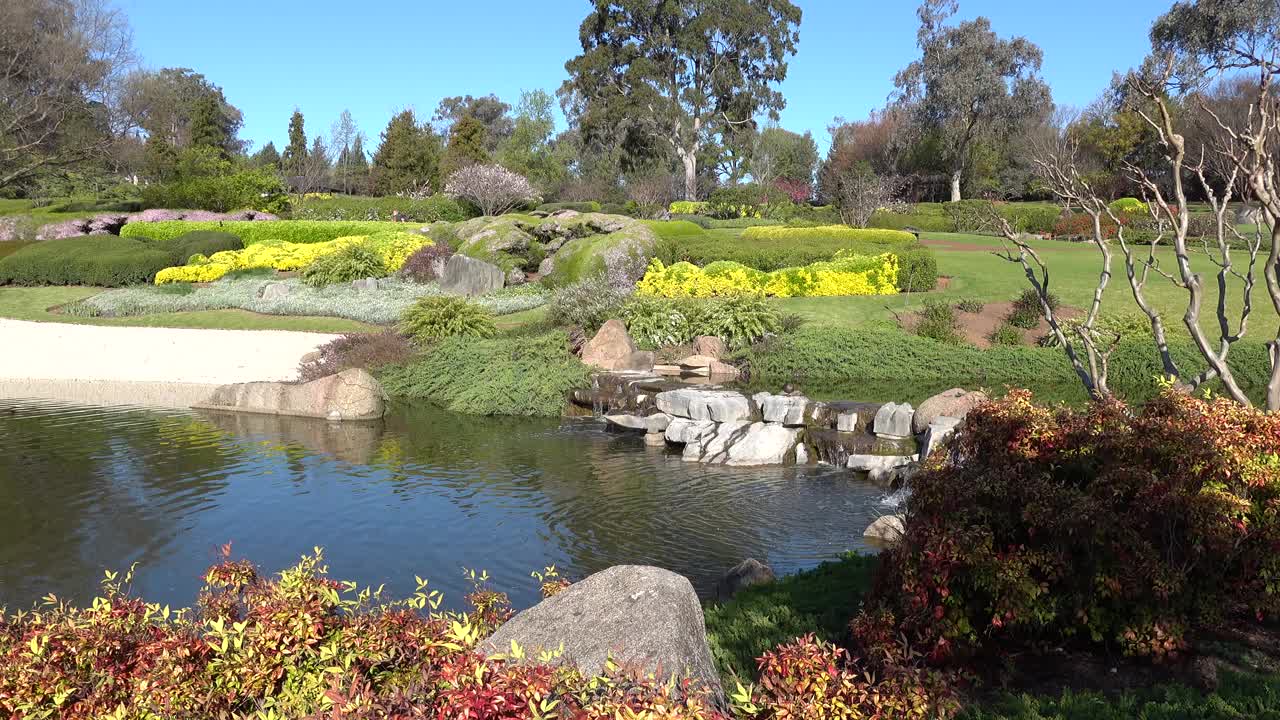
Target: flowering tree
x=492, y=188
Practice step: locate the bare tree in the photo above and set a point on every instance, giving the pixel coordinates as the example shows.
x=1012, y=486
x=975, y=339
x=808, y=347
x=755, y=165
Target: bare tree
x=492, y=188
x=60, y=63
x=651, y=191
x=341, y=135
x=857, y=192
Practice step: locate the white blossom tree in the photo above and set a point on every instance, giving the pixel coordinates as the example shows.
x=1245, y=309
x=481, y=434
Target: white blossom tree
x=492, y=188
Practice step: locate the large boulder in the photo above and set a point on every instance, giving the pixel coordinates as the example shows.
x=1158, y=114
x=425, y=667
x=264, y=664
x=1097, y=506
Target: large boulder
x=879, y=468
x=467, y=276
x=682, y=431
x=614, y=243
x=886, y=530
x=711, y=346
x=893, y=420
x=742, y=576
x=956, y=403
x=938, y=432
x=744, y=444
x=613, y=349
x=352, y=394
x=655, y=423
x=705, y=404
x=637, y=616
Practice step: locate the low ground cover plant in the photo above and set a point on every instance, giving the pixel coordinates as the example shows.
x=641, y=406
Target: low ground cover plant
x=587, y=304
x=383, y=307
x=367, y=351
x=256, y=231
x=498, y=376
x=1111, y=527
x=106, y=260
x=846, y=274
x=445, y=316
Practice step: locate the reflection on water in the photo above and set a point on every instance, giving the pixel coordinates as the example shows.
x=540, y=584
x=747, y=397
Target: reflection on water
x=425, y=492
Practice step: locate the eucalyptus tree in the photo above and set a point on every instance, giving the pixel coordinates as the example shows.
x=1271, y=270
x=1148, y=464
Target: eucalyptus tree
x=968, y=86
x=683, y=71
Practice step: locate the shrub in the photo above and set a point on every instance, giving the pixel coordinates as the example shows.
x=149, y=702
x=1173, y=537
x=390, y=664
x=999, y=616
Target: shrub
x=658, y=322
x=582, y=207
x=500, y=376
x=427, y=262
x=101, y=260
x=491, y=188
x=1128, y=205
x=743, y=201
x=1005, y=334
x=300, y=644
x=739, y=321
x=937, y=321
x=1027, y=310
x=1081, y=225
x=587, y=304
x=255, y=189
x=352, y=262
x=392, y=248
x=1105, y=526
x=970, y=305
x=827, y=233
x=256, y=231
x=435, y=318
x=920, y=221
x=202, y=242
x=917, y=270
x=687, y=207
x=369, y=351
x=435, y=208
x=844, y=275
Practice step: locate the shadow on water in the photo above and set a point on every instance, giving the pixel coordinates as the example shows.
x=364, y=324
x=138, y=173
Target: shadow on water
x=425, y=492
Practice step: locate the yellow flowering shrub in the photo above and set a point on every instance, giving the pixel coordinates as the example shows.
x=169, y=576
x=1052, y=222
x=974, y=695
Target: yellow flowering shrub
x=687, y=207
x=846, y=274
x=393, y=247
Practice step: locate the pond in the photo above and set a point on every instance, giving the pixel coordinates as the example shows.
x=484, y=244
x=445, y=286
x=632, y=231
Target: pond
x=426, y=492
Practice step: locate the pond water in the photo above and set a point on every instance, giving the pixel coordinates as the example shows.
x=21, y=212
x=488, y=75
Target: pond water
x=425, y=492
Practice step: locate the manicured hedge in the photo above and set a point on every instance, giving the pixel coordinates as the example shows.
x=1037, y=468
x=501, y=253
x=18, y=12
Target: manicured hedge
x=106, y=260
x=256, y=231
x=357, y=207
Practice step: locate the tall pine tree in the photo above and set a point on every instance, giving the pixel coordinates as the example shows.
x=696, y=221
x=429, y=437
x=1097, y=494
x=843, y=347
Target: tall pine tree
x=466, y=147
x=408, y=156
x=294, y=159
x=268, y=157
x=209, y=125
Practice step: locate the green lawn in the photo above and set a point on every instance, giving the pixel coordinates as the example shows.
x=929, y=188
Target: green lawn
x=34, y=304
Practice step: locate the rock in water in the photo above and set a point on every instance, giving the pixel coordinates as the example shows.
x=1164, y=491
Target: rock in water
x=352, y=394
x=744, y=444
x=956, y=403
x=613, y=349
x=638, y=616
x=939, y=430
x=699, y=404
x=468, y=276
x=742, y=576
x=887, y=529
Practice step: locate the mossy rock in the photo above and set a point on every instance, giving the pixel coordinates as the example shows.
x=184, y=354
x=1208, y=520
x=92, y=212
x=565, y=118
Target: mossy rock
x=514, y=242
x=585, y=256
x=500, y=240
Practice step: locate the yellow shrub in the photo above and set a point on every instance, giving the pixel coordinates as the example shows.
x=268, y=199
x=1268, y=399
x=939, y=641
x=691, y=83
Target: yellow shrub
x=845, y=275
x=393, y=247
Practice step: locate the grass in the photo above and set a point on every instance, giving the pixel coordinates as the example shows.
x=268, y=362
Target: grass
x=823, y=601
x=34, y=304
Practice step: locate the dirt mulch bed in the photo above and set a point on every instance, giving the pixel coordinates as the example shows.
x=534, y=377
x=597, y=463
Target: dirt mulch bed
x=976, y=327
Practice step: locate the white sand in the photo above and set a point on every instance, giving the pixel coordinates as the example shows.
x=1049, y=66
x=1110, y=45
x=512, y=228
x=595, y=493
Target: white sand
x=147, y=366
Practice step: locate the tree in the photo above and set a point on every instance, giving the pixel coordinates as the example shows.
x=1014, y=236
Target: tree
x=313, y=170
x=488, y=109
x=294, y=159
x=268, y=157
x=529, y=149
x=60, y=61
x=682, y=71
x=358, y=164
x=492, y=188
x=341, y=135
x=968, y=85
x=779, y=154
x=407, y=159
x=182, y=108
x=1192, y=45
x=857, y=191
x=651, y=191
x=467, y=141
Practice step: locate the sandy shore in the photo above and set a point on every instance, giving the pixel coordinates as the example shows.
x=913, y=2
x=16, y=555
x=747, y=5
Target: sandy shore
x=170, y=367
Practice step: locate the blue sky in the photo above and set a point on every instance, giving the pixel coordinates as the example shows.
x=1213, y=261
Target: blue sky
x=377, y=57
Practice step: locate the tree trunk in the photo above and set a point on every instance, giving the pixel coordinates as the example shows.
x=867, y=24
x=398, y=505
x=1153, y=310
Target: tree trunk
x=690, y=160
x=955, y=185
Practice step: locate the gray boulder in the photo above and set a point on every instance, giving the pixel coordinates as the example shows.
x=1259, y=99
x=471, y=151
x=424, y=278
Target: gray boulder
x=365, y=284
x=956, y=403
x=637, y=616
x=682, y=431
x=893, y=420
x=547, y=266
x=655, y=423
x=937, y=433
x=742, y=576
x=467, y=276
x=352, y=394
x=743, y=443
x=879, y=468
x=711, y=346
x=887, y=529
x=275, y=291
x=704, y=404
x=613, y=349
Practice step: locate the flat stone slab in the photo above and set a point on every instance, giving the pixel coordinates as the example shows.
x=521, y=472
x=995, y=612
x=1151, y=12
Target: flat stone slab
x=703, y=404
x=352, y=394
x=745, y=444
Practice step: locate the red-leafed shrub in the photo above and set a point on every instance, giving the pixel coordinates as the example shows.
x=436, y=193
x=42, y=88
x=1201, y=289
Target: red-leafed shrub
x=1110, y=526
x=357, y=350
x=427, y=263
x=798, y=190
x=1081, y=225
